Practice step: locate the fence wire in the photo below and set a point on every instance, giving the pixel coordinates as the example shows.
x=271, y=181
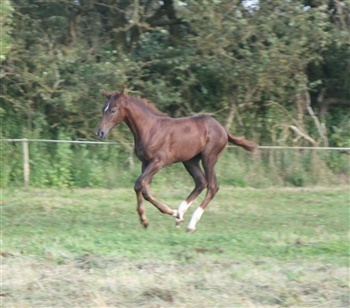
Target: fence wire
x=88, y=163
x=131, y=144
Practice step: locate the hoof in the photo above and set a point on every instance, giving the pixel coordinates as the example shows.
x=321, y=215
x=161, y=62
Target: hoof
x=189, y=230
x=145, y=223
x=178, y=223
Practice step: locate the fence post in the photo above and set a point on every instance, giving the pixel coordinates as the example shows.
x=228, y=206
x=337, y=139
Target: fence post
x=26, y=168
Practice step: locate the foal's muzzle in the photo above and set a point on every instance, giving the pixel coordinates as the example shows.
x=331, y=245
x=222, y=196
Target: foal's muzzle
x=100, y=133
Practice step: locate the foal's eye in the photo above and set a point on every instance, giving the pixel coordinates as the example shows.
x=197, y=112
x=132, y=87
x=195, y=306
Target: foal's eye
x=113, y=110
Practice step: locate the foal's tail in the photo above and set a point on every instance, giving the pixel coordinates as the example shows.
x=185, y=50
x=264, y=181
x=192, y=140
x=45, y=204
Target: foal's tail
x=242, y=142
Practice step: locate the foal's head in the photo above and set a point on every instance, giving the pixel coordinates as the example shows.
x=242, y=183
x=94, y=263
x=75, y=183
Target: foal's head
x=112, y=112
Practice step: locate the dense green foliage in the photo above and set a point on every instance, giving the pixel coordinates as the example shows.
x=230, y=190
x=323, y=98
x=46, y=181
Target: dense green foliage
x=113, y=165
x=277, y=72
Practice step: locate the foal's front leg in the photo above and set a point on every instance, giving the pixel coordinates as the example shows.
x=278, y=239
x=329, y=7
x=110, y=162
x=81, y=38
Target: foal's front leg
x=140, y=206
x=142, y=188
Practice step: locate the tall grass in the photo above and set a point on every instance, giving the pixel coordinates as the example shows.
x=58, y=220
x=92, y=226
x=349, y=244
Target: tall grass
x=113, y=165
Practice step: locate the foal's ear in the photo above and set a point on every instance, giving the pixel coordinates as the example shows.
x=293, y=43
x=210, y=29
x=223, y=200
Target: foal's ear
x=105, y=93
x=123, y=91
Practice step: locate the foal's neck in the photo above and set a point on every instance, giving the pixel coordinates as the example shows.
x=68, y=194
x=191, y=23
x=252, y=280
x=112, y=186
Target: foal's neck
x=138, y=119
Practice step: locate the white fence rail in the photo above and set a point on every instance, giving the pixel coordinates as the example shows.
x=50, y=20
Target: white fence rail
x=26, y=154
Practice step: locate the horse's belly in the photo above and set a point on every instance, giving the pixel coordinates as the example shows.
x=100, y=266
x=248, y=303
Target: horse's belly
x=185, y=150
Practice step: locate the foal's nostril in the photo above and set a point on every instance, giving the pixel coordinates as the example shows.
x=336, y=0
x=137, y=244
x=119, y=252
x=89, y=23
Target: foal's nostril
x=99, y=133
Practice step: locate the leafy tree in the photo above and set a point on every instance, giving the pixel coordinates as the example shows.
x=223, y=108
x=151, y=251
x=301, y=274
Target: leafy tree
x=277, y=71
x=5, y=26
x=262, y=57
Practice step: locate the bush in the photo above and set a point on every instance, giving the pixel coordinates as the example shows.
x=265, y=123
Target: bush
x=110, y=166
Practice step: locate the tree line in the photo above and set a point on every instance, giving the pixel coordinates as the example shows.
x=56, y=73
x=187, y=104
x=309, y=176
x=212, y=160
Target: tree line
x=277, y=72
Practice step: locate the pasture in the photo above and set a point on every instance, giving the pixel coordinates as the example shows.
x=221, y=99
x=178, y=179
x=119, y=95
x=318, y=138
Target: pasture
x=278, y=247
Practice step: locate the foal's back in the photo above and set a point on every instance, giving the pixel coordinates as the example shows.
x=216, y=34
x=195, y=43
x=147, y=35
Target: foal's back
x=184, y=138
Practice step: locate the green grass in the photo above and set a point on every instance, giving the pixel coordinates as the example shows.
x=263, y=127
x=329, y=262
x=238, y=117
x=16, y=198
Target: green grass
x=84, y=247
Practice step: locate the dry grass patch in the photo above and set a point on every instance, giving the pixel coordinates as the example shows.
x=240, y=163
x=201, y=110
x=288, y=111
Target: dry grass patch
x=95, y=281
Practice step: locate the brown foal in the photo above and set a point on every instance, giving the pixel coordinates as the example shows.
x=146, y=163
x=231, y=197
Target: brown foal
x=161, y=140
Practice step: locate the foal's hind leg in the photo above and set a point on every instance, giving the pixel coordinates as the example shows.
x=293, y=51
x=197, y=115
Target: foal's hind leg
x=193, y=168
x=209, y=162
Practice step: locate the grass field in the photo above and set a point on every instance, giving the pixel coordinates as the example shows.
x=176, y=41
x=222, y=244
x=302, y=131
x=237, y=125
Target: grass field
x=85, y=248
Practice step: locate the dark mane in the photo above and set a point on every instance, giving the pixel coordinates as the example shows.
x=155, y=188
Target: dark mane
x=145, y=103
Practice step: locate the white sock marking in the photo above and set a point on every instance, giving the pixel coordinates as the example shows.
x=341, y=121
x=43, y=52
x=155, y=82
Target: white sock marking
x=183, y=207
x=196, y=216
